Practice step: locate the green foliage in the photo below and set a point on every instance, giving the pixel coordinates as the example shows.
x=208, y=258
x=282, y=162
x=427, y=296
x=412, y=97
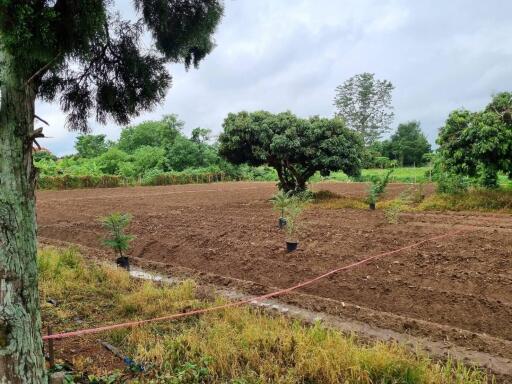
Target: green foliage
x=116, y=224
x=296, y=148
x=147, y=159
x=88, y=146
x=43, y=155
x=377, y=187
x=83, y=52
x=201, y=135
x=110, y=161
x=280, y=201
x=365, y=104
x=408, y=145
x=185, y=153
x=479, y=144
x=151, y=133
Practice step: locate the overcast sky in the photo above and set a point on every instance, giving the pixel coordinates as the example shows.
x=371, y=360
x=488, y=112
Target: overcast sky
x=282, y=55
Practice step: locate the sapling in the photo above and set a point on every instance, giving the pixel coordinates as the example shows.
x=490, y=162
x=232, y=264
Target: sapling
x=377, y=188
x=118, y=240
x=292, y=212
x=281, y=201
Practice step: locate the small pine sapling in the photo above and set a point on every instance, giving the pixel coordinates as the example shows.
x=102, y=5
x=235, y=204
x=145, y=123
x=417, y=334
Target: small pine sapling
x=377, y=187
x=118, y=240
x=292, y=213
x=280, y=202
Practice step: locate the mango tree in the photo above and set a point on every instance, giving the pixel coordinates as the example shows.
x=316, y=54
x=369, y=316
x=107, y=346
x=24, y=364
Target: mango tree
x=297, y=148
x=479, y=144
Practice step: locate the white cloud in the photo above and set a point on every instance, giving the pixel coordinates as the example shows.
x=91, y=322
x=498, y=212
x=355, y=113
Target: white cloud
x=291, y=54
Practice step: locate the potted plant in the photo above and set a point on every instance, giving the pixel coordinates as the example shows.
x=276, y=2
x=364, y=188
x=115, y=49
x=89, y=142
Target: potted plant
x=281, y=201
x=292, y=213
x=377, y=188
x=119, y=241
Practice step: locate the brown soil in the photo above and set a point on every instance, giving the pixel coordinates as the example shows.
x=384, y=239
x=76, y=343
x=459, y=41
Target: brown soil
x=458, y=288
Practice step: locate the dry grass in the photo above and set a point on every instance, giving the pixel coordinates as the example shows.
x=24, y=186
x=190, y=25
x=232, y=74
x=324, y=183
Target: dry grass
x=330, y=200
x=482, y=200
x=499, y=200
x=239, y=345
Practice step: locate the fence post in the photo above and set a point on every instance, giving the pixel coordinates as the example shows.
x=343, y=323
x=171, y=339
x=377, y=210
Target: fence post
x=51, y=351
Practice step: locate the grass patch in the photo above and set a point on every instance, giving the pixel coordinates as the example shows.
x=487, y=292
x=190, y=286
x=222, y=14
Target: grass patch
x=400, y=175
x=331, y=200
x=499, y=200
x=238, y=345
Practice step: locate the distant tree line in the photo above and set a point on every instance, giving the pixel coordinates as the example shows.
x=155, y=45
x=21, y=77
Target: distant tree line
x=143, y=151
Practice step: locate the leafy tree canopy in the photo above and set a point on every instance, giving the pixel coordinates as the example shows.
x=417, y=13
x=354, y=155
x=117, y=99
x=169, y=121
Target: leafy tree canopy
x=295, y=147
x=365, y=104
x=91, y=145
x=408, y=145
x=151, y=133
x=201, y=135
x=83, y=53
x=479, y=144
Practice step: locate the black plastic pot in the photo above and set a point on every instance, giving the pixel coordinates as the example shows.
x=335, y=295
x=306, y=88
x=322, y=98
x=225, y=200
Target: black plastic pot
x=372, y=206
x=123, y=262
x=291, y=246
x=282, y=222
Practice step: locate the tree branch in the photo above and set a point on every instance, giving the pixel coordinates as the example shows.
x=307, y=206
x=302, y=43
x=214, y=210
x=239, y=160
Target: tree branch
x=40, y=70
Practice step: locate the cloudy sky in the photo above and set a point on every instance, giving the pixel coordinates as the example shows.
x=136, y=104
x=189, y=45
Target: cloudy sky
x=282, y=55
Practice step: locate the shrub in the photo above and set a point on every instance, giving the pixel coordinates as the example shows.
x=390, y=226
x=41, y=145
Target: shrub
x=377, y=187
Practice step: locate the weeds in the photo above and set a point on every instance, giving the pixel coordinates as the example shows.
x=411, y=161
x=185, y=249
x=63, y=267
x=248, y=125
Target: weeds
x=392, y=211
x=472, y=200
x=236, y=345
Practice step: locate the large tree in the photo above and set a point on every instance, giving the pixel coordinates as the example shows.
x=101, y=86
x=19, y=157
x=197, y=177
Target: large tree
x=295, y=147
x=81, y=53
x=364, y=102
x=152, y=133
x=407, y=145
x=479, y=144
x=89, y=146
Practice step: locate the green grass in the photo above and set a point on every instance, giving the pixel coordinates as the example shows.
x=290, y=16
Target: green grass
x=399, y=175
x=237, y=345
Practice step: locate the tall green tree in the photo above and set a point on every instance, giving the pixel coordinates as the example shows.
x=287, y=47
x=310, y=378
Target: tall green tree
x=151, y=133
x=364, y=102
x=89, y=146
x=479, y=144
x=407, y=145
x=81, y=53
x=295, y=147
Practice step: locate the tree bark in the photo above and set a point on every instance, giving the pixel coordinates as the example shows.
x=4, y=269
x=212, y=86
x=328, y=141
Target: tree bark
x=21, y=354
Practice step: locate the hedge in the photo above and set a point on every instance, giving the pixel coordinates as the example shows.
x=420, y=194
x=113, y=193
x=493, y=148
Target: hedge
x=112, y=181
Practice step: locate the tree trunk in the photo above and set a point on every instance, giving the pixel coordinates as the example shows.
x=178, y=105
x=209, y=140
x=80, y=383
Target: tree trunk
x=21, y=355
